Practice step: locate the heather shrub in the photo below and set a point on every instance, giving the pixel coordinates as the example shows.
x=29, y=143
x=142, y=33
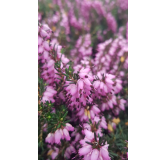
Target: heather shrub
x=83, y=79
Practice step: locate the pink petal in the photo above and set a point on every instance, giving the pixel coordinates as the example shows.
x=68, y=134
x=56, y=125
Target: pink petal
x=69, y=127
x=105, y=88
x=63, y=137
x=104, y=153
x=87, y=82
x=101, y=85
x=58, y=136
x=46, y=46
x=89, y=134
x=95, y=109
x=95, y=154
x=80, y=84
x=85, y=150
x=73, y=89
x=39, y=40
x=110, y=104
x=96, y=84
x=50, y=138
x=84, y=70
x=66, y=134
x=92, y=114
x=82, y=75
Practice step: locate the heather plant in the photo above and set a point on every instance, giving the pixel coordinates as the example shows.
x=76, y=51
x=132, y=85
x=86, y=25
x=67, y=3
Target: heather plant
x=83, y=80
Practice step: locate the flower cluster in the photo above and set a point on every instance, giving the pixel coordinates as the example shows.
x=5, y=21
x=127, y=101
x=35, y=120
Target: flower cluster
x=83, y=79
x=60, y=134
x=92, y=149
x=82, y=48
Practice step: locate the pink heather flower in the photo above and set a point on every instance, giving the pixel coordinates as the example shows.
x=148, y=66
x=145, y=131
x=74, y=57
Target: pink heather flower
x=104, y=152
x=86, y=126
x=49, y=94
x=69, y=127
x=54, y=44
x=89, y=136
x=95, y=154
x=66, y=134
x=40, y=49
x=88, y=113
x=45, y=27
x=105, y=86
x=90, y=153
x=49, y=73
x=85, y=150
x=44, y=34
x=117, y=86
x=82, y=92
x=40, y=40
x=109, y=55
x=79, y=93
x=77, y=68
x=46, y=46
x=94, y=111
x=60, y=134
x=103, y=58
x=82, y=48
x=109, y=104
x=64, y=59
x=103, y=123
x=122, y=104
x=48, y=70
x=91, y=127
x=45, y=31
x=50, y=138
x=111, y=22
x=103, y=83
x=84, y=72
